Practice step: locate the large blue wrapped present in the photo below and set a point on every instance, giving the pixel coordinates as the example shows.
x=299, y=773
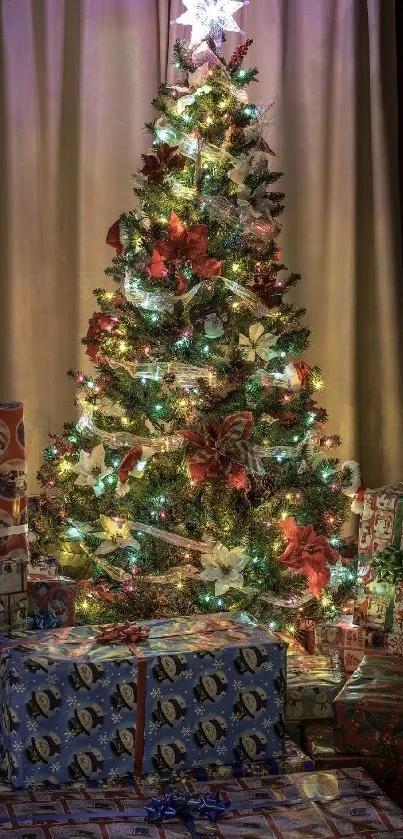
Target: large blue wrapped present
x=198, y=691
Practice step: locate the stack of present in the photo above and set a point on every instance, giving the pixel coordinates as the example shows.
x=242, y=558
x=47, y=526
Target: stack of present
x=375, y=626
x=13, y=518
x=345, y=803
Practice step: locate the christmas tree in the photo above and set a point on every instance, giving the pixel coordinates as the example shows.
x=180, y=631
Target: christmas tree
x=199, y=477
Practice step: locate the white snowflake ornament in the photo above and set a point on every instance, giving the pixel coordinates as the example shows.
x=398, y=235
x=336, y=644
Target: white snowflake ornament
x=210, y=17
x=257, y=343
x=91, y=469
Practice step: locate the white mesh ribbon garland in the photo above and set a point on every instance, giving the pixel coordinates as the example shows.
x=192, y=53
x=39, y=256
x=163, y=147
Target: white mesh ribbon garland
x=121, y=439
x=161, y=301
x=172, y=538
x=186, y=375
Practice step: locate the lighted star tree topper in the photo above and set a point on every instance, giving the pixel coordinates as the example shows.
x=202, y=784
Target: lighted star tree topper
x=210, y=18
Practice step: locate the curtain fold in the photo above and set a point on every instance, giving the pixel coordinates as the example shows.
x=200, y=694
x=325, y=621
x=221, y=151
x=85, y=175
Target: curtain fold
x=76, y=82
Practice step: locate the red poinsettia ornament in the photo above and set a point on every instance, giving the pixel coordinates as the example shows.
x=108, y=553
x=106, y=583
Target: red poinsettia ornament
x=164, y=159
x=100, y=323
x=184, y=246
x=307, y=553
x=224, y=449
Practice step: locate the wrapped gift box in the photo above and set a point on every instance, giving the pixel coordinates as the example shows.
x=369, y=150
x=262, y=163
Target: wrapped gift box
x=325, y=805
x=338, y=635
x=353, y=642
x=381, y=519
x=312, y=683
x=322, y=742
x=200, y=690
x=42, y=566
x=13, y=517
x=369, y=709
x=50, y=596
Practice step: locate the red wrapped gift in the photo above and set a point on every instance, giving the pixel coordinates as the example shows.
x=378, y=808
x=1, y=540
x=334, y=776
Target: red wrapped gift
x=13, y=517
x=50, y=595
x=323, y=744
x=369, y=708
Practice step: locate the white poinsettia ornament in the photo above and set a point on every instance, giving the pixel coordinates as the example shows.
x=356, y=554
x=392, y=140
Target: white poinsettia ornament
x=224, y=566
x=116, y=534
x=91, y=469
x=257, y=343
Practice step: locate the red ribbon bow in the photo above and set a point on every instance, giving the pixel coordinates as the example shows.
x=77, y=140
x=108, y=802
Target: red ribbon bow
x=223, y=449
x=129, y=633
x=113, y=237
x=184, y=245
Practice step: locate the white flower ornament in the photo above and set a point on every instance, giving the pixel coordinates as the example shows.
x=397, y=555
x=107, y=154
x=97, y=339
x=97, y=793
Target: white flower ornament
x=224, y=566
x=91, y=469
x=258, y=343
x=116, y=534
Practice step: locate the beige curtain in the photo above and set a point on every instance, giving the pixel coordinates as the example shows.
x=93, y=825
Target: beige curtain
x=77, y=79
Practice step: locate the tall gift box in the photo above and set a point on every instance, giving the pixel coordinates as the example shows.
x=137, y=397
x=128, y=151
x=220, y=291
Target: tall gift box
x=13, y=517
x=312, y=683
x=199, y=690
x=369, y=708
x=381, y=519
x=380, y=527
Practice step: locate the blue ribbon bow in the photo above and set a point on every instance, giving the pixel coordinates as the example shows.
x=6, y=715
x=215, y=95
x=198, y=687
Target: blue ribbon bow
x=187, y=808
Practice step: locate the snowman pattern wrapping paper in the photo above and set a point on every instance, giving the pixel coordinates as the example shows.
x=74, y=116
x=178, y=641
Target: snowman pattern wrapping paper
x=214, y=694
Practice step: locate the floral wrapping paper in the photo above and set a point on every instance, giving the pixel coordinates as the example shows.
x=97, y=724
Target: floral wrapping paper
x=312, y=683
x=369, y=709
x=51, y=594
x=323, y=744
x=200, y=690
x=324, y=805
x=13, y=517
